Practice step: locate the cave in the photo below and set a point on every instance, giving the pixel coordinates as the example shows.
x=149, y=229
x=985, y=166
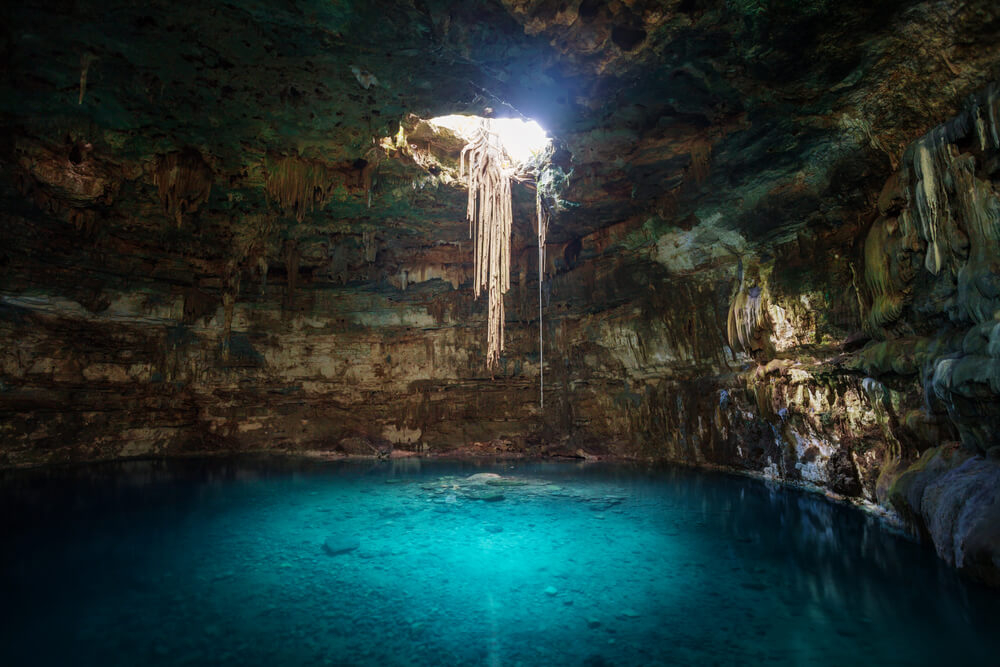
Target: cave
x=308, y=357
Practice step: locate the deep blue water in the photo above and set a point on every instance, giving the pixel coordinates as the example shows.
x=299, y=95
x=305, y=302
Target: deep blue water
x=209, y=562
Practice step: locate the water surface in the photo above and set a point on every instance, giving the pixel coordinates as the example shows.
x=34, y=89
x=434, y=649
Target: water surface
x=288, y=562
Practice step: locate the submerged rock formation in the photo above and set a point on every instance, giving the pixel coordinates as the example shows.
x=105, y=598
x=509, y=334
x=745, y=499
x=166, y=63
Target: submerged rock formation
x=775, y=250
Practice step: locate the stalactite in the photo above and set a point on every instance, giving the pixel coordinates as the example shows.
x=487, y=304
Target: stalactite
x=951, y=215
x=977, y=206
x=85, y=61
x=887, y=297
x=298, y=185
x=747, y=317
x=370, y=244
x=367, y=177
x=262, y=268
x=250, y=239
x=931, y=199
x=184, y=181
x=490, y=217
x=927, y=175
x=250, y=235
x=230, y=293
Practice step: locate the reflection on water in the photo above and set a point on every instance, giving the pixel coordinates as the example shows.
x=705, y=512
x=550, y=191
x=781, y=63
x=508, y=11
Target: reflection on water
x=223, y=562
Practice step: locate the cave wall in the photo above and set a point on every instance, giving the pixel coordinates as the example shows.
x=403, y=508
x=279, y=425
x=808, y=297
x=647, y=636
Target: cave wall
x=864, y=359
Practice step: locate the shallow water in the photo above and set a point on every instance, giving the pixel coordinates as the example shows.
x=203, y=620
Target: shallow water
x=223, y=563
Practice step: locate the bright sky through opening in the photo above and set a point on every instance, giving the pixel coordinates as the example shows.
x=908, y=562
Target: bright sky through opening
x=520, y=138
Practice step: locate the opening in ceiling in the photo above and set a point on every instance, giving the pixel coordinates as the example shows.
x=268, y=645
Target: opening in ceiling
x=520, y=138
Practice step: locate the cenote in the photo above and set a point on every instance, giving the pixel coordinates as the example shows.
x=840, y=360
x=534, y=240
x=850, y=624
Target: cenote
x=499, y=332
x=284, y=561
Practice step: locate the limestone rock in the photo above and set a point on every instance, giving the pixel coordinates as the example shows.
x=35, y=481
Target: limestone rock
x=336, y=545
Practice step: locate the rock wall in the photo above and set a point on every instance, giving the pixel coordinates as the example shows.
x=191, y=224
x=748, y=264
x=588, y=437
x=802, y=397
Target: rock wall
x=865, y=360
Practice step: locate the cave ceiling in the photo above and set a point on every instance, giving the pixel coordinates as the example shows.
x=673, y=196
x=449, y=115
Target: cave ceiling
x=737, y=123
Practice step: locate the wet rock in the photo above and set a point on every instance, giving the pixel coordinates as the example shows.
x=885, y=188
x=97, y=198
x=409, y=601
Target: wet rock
x=337, y=546
x=485, y=495
x=506, y=481
x=482, y=477
x=953, y=499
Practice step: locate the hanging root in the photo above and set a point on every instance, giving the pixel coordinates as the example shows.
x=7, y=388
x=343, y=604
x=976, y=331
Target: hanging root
x=543, y=229
x=490, y=217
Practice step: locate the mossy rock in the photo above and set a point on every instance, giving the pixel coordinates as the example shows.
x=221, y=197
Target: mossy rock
x=906, y=491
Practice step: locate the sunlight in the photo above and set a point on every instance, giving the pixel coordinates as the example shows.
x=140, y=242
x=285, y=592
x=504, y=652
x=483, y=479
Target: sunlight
x=521, y=139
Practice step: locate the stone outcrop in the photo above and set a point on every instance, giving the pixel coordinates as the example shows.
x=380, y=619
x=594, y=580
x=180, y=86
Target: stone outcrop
x=776, y=249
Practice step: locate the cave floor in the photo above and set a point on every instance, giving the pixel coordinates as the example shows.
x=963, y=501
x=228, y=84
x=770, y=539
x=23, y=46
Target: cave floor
x=280, y=561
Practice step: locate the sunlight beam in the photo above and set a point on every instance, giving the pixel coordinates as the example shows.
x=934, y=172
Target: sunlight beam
x=521, y=139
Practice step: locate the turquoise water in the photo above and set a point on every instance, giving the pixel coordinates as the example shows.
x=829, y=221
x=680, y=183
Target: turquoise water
x=283, y=562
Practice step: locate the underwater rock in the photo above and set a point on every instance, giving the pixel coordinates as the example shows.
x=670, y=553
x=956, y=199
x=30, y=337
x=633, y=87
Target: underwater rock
x=506, y=481
x=482, y=477
x=338, y=546
x=486, y=495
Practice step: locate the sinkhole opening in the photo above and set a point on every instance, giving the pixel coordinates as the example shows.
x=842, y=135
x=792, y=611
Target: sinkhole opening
x=522, y=139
